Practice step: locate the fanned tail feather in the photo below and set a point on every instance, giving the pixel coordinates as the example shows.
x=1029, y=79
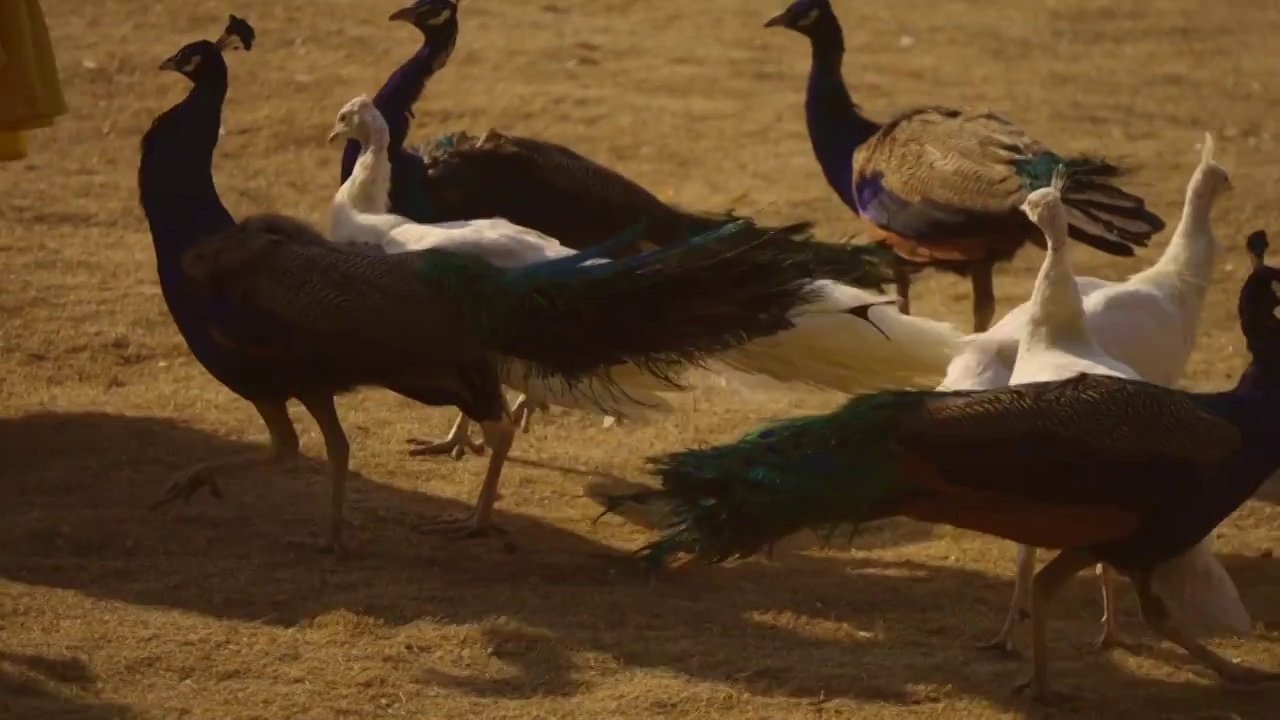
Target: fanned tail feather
x=848, y=340
x=1099, y=214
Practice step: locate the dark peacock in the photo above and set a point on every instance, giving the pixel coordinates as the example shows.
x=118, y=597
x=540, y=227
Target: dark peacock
x=1125, y=472
x=942, y=186
x=276, y=312
x=533, y=183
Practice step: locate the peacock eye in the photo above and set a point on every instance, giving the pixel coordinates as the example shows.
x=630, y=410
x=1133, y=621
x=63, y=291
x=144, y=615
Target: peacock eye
x=808, y=19
x=441, y=18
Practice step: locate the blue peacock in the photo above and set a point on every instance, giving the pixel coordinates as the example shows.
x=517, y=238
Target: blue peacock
x=274, y=311
x=533, y=183
x=1125, y=472
x=942, y=186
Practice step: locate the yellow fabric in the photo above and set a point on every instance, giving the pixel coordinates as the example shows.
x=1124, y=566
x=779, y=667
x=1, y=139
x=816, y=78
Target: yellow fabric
x=30, y=92
x=13, y=146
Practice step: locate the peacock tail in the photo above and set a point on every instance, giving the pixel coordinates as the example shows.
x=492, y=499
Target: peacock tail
x=818, y=472
x=1105, y=454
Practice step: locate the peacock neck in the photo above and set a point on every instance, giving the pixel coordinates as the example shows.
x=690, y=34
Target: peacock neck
x=368, y=188
x=175, y=174
x=1057, y=311
x=402, y=90
x=1187, y=264
x=836, y=128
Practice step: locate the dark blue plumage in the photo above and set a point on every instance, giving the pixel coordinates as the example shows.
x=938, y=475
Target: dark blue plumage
x=532, y=183
x=942, y=186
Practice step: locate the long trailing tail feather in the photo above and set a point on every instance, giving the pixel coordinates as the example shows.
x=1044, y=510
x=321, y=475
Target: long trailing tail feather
x=818, y=472
x=726, y=288
x=848, y=340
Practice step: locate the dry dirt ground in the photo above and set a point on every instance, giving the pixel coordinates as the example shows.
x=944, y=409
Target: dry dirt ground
x=209, y=611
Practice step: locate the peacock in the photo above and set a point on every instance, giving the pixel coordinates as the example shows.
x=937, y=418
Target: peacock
x=274, y=311
x=1106, y=469
x=533, y=183
x=1146, y=324
x=833, y=340
x=942, y=186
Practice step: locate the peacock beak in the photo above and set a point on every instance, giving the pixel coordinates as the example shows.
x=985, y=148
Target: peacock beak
x=779, y=20
x=170, y=64
x=405, y=14
x=335, y=133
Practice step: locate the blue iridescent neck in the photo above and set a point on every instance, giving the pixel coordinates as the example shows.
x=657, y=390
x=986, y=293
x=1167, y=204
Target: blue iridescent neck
x=397, y=96
x=175, y=174
x=836, y=128
x=1253, y=405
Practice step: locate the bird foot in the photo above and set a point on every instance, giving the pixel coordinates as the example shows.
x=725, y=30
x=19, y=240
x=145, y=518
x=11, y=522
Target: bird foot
x=1002, y=644
x=1040, y=693
x=1246, y=675
x=455, y=447
x=187, y=484
x=462, y=527
x=1112, y=639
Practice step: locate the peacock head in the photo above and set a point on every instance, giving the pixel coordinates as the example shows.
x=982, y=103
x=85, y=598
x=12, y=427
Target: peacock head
x=1259, y=305
x=1044, y=208
x=1210, y=179
x=202, y=59
x=358, y=120
x=427, y=15
x=807, y=17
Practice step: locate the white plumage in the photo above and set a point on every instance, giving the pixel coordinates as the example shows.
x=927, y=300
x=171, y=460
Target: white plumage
x=359, y=219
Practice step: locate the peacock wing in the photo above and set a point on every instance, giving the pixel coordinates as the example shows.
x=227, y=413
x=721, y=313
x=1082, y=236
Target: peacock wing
x=934, y=172
x=1057, y=464
x=344, y=303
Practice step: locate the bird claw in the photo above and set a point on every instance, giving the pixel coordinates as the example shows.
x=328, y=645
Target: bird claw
x=461, y=527
x=1112, y=639
x=1000, y=644
x=454, y=447
x=186, y=485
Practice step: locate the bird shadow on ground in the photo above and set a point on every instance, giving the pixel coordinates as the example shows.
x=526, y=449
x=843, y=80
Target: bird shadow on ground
x=37, y=686
x=72, y=516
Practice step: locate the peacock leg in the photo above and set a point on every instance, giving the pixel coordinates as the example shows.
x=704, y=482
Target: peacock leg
x=902, y=283
x=338, y=452
x=1111, y=636
x=499, y=435
x=984, y=294
x=1020, y=605
x=455, y=445
x=1045, y=585
x=284, y=448
x=1156, y=615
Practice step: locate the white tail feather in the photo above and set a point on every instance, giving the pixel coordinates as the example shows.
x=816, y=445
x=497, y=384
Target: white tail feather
x=633, y=398
x=1200, y=594
x=833, y=349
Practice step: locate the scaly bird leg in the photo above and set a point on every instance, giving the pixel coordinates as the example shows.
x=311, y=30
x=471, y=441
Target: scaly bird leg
x=284, y=448
x=1111, y=636
x=1020, y=605
x=984, y=294
x=1156, y=615
x=455, y=445
x=498, y=435
x=902, y=284
x=1045, y=585
x=338, y=451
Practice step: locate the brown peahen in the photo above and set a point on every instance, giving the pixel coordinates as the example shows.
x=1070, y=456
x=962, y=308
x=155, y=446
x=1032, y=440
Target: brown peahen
x=942, y=186
x=275, y=312
x=1106, y=469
